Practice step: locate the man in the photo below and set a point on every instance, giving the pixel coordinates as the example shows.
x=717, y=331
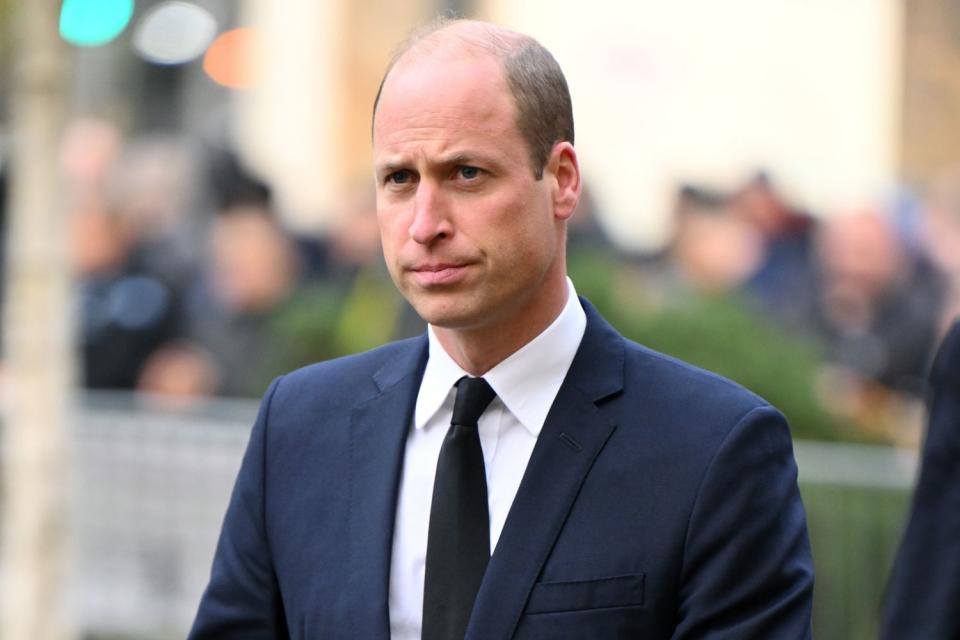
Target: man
x=623, y=494
x=924, y=588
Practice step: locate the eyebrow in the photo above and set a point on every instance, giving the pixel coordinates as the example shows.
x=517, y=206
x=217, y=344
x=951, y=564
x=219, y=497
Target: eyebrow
x=454, y=159
x=390, y=166
x=467, y=157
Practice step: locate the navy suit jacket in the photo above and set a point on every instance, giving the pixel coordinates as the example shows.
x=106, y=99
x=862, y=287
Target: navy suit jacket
x=923, y=596
x=660, y=501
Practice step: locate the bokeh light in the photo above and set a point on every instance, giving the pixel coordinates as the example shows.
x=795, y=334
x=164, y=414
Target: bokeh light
x=89, y=23
x=174, y=33
x=230, y=59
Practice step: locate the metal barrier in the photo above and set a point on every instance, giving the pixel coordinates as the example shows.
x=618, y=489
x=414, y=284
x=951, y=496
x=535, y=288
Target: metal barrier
x=856, y=499
x=148, y=490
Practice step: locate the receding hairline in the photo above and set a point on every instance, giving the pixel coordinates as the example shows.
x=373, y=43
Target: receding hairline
x=474, y=37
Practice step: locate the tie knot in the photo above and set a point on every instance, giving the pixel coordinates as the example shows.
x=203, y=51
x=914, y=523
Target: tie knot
x=474, y=395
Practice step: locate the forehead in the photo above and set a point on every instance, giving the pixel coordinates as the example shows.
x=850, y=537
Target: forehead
x=443, y=91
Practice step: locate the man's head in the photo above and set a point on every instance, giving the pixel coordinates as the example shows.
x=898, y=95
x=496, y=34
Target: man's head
x=536, y=82
x=473, y=221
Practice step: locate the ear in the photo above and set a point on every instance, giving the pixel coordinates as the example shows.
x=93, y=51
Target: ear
x=564, y=170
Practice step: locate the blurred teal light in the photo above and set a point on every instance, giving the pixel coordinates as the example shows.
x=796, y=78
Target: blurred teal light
x=88, y=23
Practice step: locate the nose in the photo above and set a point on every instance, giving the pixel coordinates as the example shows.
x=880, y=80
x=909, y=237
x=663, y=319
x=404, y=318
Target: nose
x=431, y=221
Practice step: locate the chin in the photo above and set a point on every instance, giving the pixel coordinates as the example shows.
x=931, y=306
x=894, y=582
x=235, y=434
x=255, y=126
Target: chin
x=447, y=320
x=446, y=314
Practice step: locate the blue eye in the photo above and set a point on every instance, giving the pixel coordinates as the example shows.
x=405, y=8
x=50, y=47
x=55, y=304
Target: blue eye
x=399, y=177
x=469, y=172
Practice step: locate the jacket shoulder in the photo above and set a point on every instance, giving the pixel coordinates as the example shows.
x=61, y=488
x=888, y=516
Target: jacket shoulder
x=345, y=381
x=680, y=381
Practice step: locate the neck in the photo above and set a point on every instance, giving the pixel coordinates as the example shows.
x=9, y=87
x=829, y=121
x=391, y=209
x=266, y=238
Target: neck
x=477, y=350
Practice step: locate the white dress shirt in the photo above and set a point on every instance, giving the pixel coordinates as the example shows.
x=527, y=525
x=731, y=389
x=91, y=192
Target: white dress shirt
x=526, y=384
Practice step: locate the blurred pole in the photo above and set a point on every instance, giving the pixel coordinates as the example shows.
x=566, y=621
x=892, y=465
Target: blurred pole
x=38, y=368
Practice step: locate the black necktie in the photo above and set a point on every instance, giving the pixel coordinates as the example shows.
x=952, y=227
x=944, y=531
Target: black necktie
x=458, y=542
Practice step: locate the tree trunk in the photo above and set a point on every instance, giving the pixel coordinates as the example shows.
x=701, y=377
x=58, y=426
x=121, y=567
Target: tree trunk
x=37, y=353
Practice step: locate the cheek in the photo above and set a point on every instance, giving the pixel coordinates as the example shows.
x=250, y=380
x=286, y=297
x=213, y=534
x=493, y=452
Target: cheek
x=521, y=249
x=516, y=215
x=534, y=231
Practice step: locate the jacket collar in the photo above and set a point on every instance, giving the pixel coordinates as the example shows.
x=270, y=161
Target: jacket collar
x=378, y=434
x=575, y=432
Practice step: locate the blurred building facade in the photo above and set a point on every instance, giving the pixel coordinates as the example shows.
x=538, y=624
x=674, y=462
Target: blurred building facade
x=842, y=102
x=929, y=128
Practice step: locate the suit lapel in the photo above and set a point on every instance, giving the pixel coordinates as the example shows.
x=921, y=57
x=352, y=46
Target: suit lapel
x=573, y=435
x=377, y=441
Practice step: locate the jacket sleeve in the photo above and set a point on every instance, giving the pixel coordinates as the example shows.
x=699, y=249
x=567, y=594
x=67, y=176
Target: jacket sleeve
x=747, y=569
x=242, y=600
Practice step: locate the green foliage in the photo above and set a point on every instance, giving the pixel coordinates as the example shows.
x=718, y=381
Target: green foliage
x=369, y=313
x=720, y=334
x=854, y=533
x=595, y=274
x=327, y=321
x=302, y=330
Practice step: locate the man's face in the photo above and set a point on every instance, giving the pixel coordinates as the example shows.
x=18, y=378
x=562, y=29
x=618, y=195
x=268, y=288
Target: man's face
x=469, y=235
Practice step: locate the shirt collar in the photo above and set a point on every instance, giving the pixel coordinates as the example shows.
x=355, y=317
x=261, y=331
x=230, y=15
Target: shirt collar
x=526, y=382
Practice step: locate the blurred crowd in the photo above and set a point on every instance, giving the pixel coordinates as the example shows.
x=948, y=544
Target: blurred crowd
x=189, y=284
x=875, y=289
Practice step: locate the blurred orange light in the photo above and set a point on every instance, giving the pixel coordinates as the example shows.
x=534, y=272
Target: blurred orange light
x=231, y=58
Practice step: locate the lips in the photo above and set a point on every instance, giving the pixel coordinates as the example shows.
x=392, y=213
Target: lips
x=437, y=274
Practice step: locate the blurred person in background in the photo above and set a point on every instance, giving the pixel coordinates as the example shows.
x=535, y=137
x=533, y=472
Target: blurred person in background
x=250, y=270
x=586, y=230
x=372, y=311
x=269, y=300
x=128, y=306
x=88, y=153
x=782, y=281
x=126, y=311
x=878, y=303
x=712, y=252
x=354, y=239
x=876, y=313
x=155, y=189
x=924, y=588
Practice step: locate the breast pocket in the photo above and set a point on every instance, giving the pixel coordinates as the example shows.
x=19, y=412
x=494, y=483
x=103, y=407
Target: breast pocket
x=577, y=595
x=606, y=608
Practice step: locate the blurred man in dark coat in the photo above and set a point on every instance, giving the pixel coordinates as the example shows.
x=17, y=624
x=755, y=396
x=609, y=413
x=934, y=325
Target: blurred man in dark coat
x=923, y=596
